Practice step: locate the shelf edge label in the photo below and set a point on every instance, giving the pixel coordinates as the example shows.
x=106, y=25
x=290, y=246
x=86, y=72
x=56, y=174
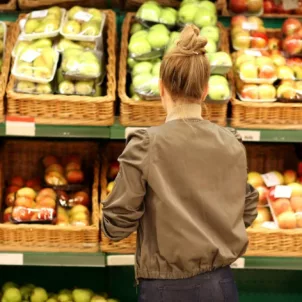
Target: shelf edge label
x=250, y=135
x=11, y=259
x=20, y=126
x=239, y=263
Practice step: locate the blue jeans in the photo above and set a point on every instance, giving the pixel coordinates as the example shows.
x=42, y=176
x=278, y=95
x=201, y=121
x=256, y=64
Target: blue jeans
x=215, y=286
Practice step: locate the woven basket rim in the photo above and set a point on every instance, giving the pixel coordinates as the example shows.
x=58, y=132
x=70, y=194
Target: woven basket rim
x=11, y=5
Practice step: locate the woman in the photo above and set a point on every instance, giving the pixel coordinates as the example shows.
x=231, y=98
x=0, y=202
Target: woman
x=182, y=185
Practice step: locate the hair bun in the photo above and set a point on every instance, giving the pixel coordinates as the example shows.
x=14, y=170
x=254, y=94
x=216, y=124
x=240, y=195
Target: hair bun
x=190, y=42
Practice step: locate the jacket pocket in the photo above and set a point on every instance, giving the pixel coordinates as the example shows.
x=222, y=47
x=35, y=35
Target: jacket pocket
x=229, y=290
x=180, y=294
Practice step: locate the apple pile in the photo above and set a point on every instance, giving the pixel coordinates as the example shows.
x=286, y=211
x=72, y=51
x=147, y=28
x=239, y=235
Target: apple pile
x=83, y=24
x=219, y=89
x=78, y=216
x=200, y=13
x=249, y=7
x=2, y=42
x=151, y=11
x=292, y=32
x=11, y=292
x=290, y=90
x=273, y=7
x=63, y=172
x=111, y=175
x=43, y=23
x=248, y=33
x=70, y=199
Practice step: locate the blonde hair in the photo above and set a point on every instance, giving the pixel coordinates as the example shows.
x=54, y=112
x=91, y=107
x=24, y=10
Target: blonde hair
x=185, y=70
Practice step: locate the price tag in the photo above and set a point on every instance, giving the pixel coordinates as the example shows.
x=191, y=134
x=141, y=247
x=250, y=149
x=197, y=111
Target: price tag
x=82, y=16
x=120, y=260
x=30, y=55
x=253, y=52
x=249, y=136
x=290, y=4
x=249, y=26
x=269, y=225
x=11, y=259
x=239, y=263
x=39, y=14
x=20, y=126
x=270, y=179
x=130, y=130
x=283, y=192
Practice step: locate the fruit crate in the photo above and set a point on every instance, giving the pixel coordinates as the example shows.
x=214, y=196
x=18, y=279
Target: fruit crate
x=72, y=110
x=127, y=245
x=151, y=113
x=22, y=158
x=4, y=72
x=10, y=5
x=33, y=4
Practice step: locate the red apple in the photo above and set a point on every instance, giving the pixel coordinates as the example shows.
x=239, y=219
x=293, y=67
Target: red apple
x=17, y=181
x=263, y=193
x=290, y=176
x=75, y=176
x=291, y=26
x=259, y=40
x=262, y=216
x=271, y=194
x=34, y=183
x=49, y=160
x=55, y=168
x=72, y=166
x=46, y=192
x=238, y=20
x=287, y=220
x=238, y=6
x=46, y=202
x=268, y=7
x=267, y=71
x=296, y=203
x=81, y=198
x=250, y=91
x=274, y=43
x=281, y=205
x=292, y=45
x=9, y=200
x=12, y=189
x=113, y=170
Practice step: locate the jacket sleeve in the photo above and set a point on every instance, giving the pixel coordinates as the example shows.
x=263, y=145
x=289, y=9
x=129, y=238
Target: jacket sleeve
x=124, y=206
x=251, y=197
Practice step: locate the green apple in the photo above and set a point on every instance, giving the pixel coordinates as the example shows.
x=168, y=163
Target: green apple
x=98, y=298
x=158, y=39
x=160, y=28
x=210, y=32
x=12, y=295
x=139, y=46
x=31, y=25
x=248, y=70
x=208, y=5
x=218, y=88
x=149, y=11
x=65, y=295
x=140, y=80
x=186, y=13
x=153, y=85
x=156, y=69
x=82, y=295
x=39, y=294
x=8, y=285
x=139, y=34
x=184, y=2
x=167, y=17
x=135, y=28
x=142, y=67
x=91, y=28
x=131, y=62
x=204, y=18
x=211, y=46
x=219, y=59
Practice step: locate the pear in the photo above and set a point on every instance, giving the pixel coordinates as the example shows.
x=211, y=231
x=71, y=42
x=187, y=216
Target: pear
x=20, y=46
x=25, y=68
x=91, y=28
x=96, y=14
x=45, y=60
x=65, y=44
x=90, y=69
x=25, y=86
x=39, y=294
x=73, y=53
x=72, y=27
x=55, y=10
x=12, y=295
x=31, y=25
x=71, y=65
x=84, y=87
x=48, y=26
x=89, y=56
x=66, y=87
x=8, y=285
x=44, y=89
x=82, y=295
x=87, y=44
x=41, y=43
x=98, y=299
x=71, y=13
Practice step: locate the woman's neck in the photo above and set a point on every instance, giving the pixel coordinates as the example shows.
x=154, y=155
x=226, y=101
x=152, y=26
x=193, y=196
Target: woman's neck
x=184, y=111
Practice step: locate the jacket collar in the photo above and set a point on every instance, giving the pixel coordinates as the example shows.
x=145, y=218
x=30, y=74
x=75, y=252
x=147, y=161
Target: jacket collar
x=185, y=111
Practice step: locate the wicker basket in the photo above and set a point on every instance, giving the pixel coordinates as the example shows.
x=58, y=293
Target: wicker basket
x=145, y=113
x=72, y=110
x=33, y=4
x=9, y=6
x=22, y=158
x=127, y=245
x=5, y=68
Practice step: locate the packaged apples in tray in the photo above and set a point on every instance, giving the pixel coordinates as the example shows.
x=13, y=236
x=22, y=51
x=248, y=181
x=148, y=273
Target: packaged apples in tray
x=151, y=13
x=34, y=65
x=64, y=174
x=247, y=7
x=290, y=91
x=248, y=33
x=201, y=13
x=219, y=90
x=286, y=205
x=64, y=44
x=78, y=64
x=21, y=45
x=69, y=199
x=43, y=23
x=292, y=33
x=256, y=93
x=149, y=44
x=83, y=24
x=33, y=88
x=221, y=62
x=253, y=69
x=30, y=206
x=3, y=30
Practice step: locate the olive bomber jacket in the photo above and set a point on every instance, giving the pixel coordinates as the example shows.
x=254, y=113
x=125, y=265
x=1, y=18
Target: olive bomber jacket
x=182, y=186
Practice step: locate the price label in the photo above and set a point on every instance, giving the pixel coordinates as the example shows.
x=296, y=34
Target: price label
x=270, y=179
x=11, y=259
x=121, y=260
x=283, y=192
x=253, y=52
x=82, y=16
x=269, y=225
x=290, y=4
x=30, y=55
x=249, y=26
x=39, y=14
x=20, y=126
x=239, y=263
x=249, y=136
x=130, y=130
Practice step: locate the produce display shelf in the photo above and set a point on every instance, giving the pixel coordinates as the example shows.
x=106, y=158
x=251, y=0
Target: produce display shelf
x=53, y=259
x=259, y=263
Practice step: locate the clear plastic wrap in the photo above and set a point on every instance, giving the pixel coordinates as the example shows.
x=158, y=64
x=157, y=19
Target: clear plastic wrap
x=33, y=88
x=219, y=90
x=64, y=44
x=69, y=199
x=83, y=24
x=221, y=62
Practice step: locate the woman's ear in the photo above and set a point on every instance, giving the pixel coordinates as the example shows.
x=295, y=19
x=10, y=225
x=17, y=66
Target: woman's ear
x=205, y=92
x=161, y=88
